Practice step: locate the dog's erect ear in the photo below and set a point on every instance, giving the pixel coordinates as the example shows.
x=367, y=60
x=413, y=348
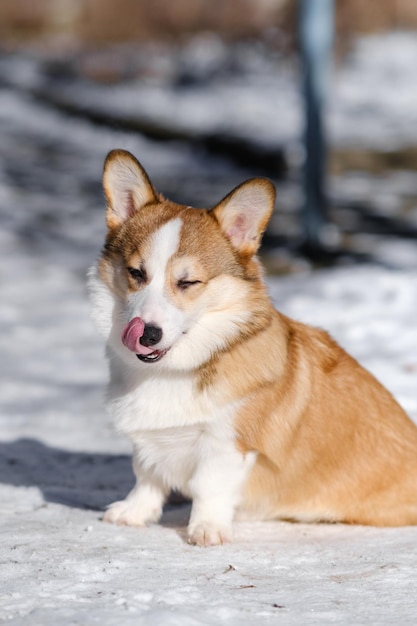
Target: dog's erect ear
x=244, y=214
x=126, y=186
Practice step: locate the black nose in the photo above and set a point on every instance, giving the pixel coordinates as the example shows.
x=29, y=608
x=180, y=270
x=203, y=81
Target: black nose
x=151, y=335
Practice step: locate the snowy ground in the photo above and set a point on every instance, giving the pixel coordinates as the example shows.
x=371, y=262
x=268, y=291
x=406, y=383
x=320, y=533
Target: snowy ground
x=61, y=463
x=241, y=91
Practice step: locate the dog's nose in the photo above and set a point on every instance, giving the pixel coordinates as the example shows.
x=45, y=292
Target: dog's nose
x=151, y=335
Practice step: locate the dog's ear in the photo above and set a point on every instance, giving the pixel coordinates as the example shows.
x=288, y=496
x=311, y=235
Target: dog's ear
x=244, y=214
x=127, y=187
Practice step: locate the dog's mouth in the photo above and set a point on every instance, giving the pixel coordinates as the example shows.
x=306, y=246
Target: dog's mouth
x=131, y=338
x=153, y=357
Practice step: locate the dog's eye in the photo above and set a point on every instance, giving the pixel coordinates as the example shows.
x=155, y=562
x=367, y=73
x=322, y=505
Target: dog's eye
x=137, y=274
x=185, y=284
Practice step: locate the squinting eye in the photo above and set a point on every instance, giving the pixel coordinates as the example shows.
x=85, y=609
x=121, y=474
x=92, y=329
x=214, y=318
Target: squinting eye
x=137, y=274
x=185, y=284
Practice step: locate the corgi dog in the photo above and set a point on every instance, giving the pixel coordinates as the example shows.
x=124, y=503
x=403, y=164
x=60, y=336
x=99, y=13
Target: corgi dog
x=250, y=414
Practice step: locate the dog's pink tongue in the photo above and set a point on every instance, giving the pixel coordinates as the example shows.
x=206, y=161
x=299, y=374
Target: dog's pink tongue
x=131, y=336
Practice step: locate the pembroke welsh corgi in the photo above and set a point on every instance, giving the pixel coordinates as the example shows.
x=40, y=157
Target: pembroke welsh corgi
x=248, y=413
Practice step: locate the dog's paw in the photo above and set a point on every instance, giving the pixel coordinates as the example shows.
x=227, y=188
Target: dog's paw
x=209, y=535
x=128, y=513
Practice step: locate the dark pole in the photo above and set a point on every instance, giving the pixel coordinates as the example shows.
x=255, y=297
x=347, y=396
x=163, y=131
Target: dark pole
x=316, y=38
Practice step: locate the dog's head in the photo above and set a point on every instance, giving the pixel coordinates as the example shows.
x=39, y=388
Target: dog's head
x=185, y=281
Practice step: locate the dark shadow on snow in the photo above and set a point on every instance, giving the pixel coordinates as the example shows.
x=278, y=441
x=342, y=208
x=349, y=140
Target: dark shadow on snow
x=77, y=479
x=82, y=480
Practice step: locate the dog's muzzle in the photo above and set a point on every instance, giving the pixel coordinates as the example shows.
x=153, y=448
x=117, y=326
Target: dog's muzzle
x=139, y=338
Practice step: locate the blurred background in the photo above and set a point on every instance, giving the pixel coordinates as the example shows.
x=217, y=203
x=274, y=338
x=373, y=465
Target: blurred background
x=206, y=94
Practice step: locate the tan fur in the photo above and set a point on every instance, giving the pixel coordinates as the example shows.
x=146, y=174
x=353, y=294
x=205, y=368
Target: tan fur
x=333, y=443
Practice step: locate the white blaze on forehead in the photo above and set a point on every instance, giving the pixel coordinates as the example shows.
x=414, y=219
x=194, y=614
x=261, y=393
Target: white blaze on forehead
x=164, y=244
x=151, y=304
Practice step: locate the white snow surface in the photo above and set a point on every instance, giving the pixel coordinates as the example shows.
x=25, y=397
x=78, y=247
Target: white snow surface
x=61, y=462
x=371, y=99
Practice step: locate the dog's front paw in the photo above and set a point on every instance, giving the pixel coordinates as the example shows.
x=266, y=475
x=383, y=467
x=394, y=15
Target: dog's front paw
x=206, y=534
x=128, y=513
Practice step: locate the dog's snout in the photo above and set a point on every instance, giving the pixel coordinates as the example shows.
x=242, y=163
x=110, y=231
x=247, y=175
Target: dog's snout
x=151, y=335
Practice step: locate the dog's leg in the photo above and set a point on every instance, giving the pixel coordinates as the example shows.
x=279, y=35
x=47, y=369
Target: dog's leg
x=216, y=489
x=143, y=504
x=210, y=521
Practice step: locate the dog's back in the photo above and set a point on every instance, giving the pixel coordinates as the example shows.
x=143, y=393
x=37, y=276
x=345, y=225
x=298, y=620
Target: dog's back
x=335, y=444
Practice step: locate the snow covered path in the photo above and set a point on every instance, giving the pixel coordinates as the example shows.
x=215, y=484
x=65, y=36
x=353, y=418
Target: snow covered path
x=65, y=567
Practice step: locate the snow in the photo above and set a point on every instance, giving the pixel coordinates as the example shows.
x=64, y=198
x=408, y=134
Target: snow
x=370, y=88
x=61, y=462
x=252, y=94
x=92, y=573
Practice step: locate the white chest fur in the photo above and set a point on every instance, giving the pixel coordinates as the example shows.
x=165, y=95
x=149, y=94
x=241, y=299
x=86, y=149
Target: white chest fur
x=152, y=401
x=179, y=433
x=200, y=460
x=175, y=457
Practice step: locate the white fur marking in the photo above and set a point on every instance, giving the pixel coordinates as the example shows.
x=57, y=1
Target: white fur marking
x=151, y=304
x=201, y=461
x=165, y=242
x=102, y=302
